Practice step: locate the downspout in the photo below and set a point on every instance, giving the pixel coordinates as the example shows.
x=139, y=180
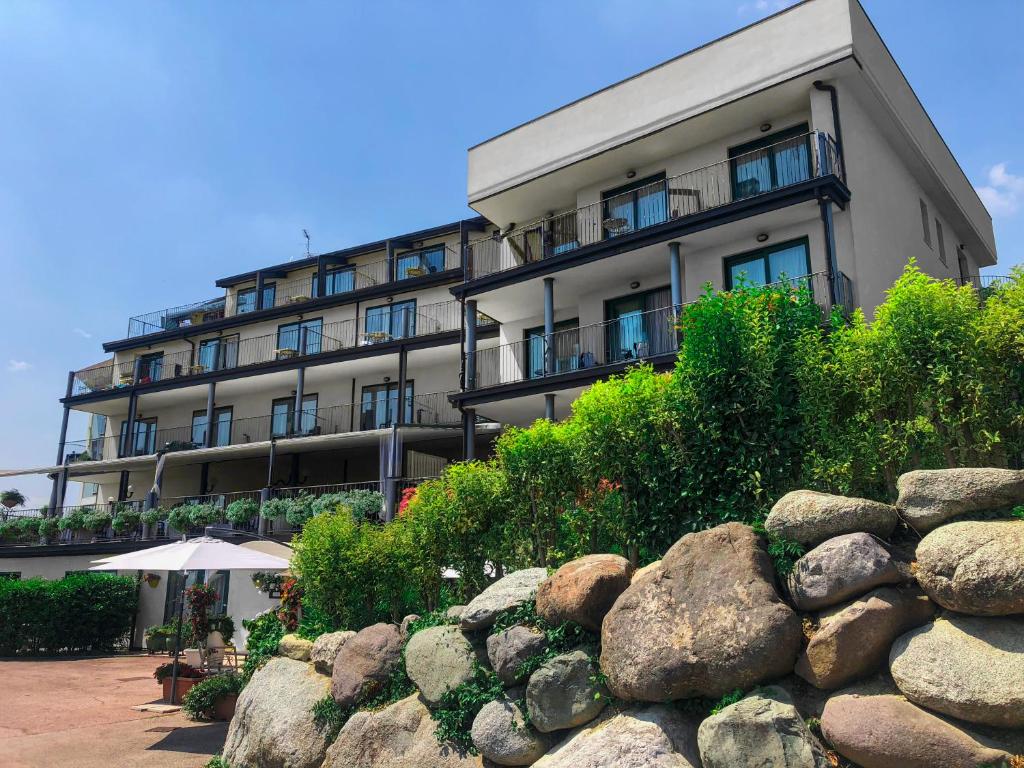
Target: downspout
x=834, y=97
x=832, y=263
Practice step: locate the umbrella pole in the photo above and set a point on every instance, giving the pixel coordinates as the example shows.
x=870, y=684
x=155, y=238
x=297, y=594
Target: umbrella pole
x=177, y=639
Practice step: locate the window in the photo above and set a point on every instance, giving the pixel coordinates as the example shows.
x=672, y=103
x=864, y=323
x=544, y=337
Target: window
x=773, y=162
x=379, y=407
x=221, y=427
x=769, y=265
x=89, y=490
x=566, y=343
x=420, y=263
x=219, y=580
x=218, y=354
x=336, y=280
x=282, y=417
x=247, y=298
x=961, y=263
x=289, y=336
x=924, y=223
x=144, y=441
x=639, y=325
x=97, y=435
x=634, y=206
x=151, y=366
x=941, y=241
x=391, y=321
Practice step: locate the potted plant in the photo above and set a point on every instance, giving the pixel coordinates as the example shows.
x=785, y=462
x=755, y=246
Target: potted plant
x=12, y=498
x=73, y=521
x=126, y=520
x=97, y=521
x=223, y=624
x=187, y=677
x=275, y=509
x=200, y=598
x=179, y=518
x=156, y=639
x=202, y=515
x=47, y=530
x=153, y=516
x=213, y=698
x=242, y=511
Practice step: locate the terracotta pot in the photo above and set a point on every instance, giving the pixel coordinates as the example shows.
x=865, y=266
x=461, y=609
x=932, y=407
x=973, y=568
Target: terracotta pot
x=183, y=687
x=224, y=709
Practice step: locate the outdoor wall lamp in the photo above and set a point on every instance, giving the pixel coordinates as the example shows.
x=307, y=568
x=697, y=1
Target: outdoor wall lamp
x=635, y=284
x=765, y=127
x=630, y=174
x=152, y=579
x=762, y=236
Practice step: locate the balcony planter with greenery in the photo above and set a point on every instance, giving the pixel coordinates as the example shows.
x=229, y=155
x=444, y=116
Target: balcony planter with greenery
x=22, y=530
x=97, y=521
x=47, y=530
x=202, y=515
x=126, y=520
x=73, y=521
x=187, y=677
x=153, y=516
x=242, y=511
x=274, y=509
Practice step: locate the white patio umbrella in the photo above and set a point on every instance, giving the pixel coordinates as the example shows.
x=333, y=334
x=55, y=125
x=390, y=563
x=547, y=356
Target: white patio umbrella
x=202, y=553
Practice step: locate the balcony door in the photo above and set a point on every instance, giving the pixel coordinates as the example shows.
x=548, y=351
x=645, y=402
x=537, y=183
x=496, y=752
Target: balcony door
x=420, y=263
x=379, y=407
x=790, y=260
x=151, y=367
x=639, y=325
x=246, y=298
x=290, y=336
x=282, y=417
x=770, y=163
x=634, y=206
x=391, y=321
x=566, y=344
x=218, y=354
x=143, y=441
x=221, y=427
x=336, y=280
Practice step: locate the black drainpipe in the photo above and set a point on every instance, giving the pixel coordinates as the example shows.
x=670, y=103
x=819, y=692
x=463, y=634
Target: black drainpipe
x=834, y=96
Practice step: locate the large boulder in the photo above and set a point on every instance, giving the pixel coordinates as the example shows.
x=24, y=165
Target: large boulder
x=365, y=662
x=438, y=659
x=967, y=667
x=326, y=648
x=839, y=569
x=505, y=594
x=810, y=517
x=273, y=725
x=974, y=567
x=706, y=621
x=564, y=693
x=890, y=732
x=930, y=497
x=502, y=735
x=398, y=736
x=294, y=647
x=508, y=649
x=583, y=590
x=762, y=729
x=650, y=737
x=854, y=640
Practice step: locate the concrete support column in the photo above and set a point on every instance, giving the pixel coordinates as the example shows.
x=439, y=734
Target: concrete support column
x=549, y=325
x=261, y=522
x=470, y=382
x=469, y=434
x=259, y=290
x=831, y=262
x=403, y=406
x=300, y=384
x=549, y=406
x=211, y=391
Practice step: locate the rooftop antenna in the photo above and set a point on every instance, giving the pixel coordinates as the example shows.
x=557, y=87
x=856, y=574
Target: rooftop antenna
x=304, y=232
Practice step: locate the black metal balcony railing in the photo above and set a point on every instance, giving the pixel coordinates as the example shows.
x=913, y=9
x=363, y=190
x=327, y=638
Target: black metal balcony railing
x=633, y=337
x=986, y=285
x=298, y=291
x=397, y=323
x=432, y=409
x=789, y=162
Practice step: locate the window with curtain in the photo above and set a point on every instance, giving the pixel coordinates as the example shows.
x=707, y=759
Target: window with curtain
x=639, y=325
x=391, y=321
x=379, y=406
x=218, y=354
x=97, y=435
x=419, y=263
x=790, y=260
x=246, y=298
x=144, y=440
x=336, y=280
x=289, y=336
x=566, y=343
x=151, y=367
x=282, y=416
x=221, y=426
x=773, y=162
x=640, y=204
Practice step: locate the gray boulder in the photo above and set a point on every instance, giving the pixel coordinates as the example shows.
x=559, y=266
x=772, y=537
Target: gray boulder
x=325, y=650
x=508, y=649
x=273, y=724
x=974, y=567
x=810, y=517
x=854, y=640
x=503, y=595
x=706, y=621
x=762, y=729
x=438, y=659
x=564, y=693
x=583, y=590
x=398, y=736
x=890, y=732
x=454, y=612
x=365, y=662
x=501, y=734
x=930, y=497
x=649, y=737
x=839, y=569
x=295, y=647
x=967, y=667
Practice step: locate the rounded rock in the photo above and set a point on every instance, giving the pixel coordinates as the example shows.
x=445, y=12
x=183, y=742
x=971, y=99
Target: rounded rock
x=508, y=649
x=840, y=569
x=564, y=693
x=438, y=659
x=583, y=590
x=811, y=517
x=930, y=497
x=501, y=734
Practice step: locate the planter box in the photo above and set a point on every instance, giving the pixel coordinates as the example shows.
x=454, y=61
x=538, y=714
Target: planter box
x=183, y=687
x=225, y=707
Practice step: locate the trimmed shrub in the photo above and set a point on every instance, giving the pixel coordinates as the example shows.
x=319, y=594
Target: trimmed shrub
x=73, y=520
x=241, y=511
x=271, y=509
x=200, y=515
x=126, y=519
x=97, y=521
x=299, y=510
x=153, y=516
x=201, y=698
x=81, y=613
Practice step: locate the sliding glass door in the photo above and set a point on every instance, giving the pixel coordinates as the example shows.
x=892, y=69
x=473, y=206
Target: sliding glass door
x=640, y=325
x=380, y=407
x=770, y=163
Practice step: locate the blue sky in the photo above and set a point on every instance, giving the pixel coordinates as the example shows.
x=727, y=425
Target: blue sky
x=148, y=148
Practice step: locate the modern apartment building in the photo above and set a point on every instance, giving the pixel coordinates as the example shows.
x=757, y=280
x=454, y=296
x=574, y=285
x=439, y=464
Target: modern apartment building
x=793, y=149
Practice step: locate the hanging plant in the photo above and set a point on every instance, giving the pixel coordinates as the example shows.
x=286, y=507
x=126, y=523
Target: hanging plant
x=201, y=515
x=200, y=598
x=12, y=498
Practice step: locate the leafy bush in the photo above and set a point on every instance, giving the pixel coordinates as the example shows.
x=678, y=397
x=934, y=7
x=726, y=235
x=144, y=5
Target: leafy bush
x=180, y=518
x=217, y=762
x=460, y=705
x=330, y=717
x=97, y=520
x=73, y=520
x=22, y=529
x=201, y=515
x=265, y=632
x=81, y=613
x=126, y=519
x=299, y=510
x=201, y=699
x=153, y=516
x=271, y=509
x=48, y=527
x=241, y=511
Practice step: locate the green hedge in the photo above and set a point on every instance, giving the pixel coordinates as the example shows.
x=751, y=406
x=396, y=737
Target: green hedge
x=81, y=613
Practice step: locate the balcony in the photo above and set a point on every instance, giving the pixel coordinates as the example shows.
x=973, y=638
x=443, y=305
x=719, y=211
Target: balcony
x=304, y=340
x=615, y=343
x=340, y=281
x=744, y=178
x=432, y=409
